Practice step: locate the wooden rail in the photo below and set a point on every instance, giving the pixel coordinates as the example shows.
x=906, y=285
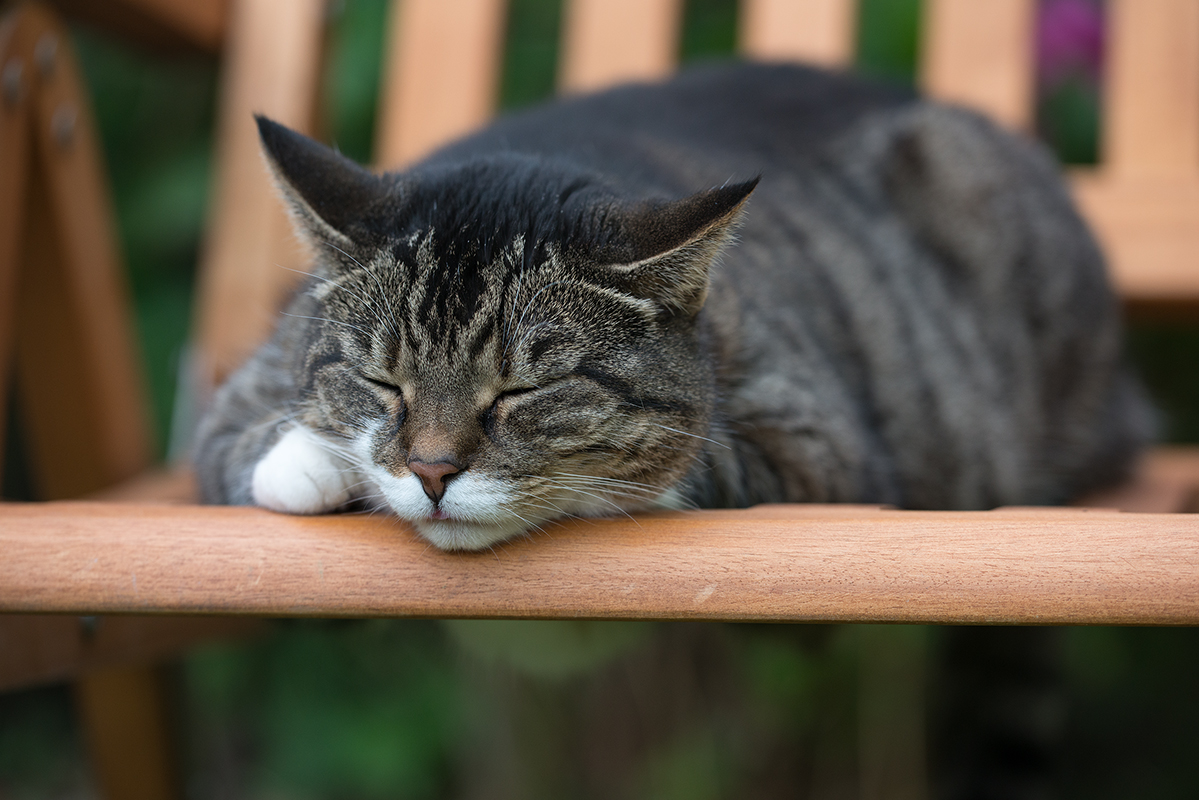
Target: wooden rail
x=771, y=563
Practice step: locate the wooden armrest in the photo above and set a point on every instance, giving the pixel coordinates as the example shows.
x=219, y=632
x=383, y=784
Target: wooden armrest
x=776, y=563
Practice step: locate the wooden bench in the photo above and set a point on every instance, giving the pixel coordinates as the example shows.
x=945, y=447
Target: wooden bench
x=148, y=550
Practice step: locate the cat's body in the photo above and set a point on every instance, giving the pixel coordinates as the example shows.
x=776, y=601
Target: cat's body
x=522, y=328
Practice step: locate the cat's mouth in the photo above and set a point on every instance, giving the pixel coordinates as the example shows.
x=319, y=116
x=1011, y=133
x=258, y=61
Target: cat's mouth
x=474, y=515
x=448, y=533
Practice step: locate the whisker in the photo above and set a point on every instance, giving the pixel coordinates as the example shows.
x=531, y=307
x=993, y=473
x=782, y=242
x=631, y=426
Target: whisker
x=692, y=435
x=331, y=321
x=595, y=496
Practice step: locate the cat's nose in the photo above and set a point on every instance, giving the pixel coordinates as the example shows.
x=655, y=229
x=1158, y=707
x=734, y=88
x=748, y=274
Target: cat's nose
x=433, y=476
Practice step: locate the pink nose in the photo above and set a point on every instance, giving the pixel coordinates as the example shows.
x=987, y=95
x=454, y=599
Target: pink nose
x=433, y=476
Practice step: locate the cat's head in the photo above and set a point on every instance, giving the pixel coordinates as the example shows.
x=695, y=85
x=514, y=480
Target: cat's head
x=505, y=341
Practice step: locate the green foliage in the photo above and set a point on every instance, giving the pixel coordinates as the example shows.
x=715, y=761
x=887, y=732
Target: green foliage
x=363, y=709
x=350, y=86
x=547, y=649
x=530, y=52
x=889, y=39
x=709, y=30
x=40, y=753
x=1167, y=357
x=1134, y=713
x=1068, y=121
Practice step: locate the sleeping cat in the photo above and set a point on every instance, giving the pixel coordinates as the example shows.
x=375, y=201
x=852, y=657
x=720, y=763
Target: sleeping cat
x=748, y=284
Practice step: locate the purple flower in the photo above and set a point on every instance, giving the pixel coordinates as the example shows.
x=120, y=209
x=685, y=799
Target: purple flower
x=1069, y=42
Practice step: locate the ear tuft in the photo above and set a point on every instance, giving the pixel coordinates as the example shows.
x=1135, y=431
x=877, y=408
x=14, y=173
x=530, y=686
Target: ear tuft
x=657, y=229
x=326, y=191
x=672, y=246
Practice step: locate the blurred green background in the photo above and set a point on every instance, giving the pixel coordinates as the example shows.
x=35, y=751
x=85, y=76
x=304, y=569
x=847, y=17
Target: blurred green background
x=419, y=709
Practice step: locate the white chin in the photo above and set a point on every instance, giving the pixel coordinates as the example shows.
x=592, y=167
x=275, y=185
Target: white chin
x=459, y=535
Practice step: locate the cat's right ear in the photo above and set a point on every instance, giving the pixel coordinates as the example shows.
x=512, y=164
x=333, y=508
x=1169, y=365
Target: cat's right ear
x=325, y=191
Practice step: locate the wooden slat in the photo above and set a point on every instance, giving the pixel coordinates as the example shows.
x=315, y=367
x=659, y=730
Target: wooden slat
x=15, y=157
x=814, y=31
x=979, y=53
x=271, y=67
x=174, y=485
x=1149, y=229
x=1167, y=480
x=892, y=712
x=442, y=75
x=127, y=727
x=1151, y=103
x=613, y=41
x=82, y=390
x=162, y=26
x=47, y=648
x=812, y=563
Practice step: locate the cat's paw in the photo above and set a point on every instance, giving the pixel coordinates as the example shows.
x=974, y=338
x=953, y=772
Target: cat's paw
x=301, y=475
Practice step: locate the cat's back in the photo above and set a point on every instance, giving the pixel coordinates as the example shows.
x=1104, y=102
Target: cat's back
x=910, y=289
x=711, y=121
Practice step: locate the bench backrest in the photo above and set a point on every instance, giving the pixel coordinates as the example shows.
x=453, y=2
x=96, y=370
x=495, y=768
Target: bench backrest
x=441, y=81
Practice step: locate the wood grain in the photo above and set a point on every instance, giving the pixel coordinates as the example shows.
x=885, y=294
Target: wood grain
x=814, y=31
x=441, y=77
x=979, y=53
x=606, y=42
x=1151, y=102
x=798, y=563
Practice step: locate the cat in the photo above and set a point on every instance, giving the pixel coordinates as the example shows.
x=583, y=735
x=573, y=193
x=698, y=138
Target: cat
x=748, y=284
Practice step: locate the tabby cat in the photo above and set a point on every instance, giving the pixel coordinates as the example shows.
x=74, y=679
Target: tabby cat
x=872, y=298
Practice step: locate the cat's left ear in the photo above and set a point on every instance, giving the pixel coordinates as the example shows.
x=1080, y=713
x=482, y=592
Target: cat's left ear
x=673, y=245
x=325, y=191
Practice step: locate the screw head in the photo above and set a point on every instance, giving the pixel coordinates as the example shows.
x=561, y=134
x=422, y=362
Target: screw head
x=11, y=79
x=87, y=627
x=44, y=53
x=62, y=125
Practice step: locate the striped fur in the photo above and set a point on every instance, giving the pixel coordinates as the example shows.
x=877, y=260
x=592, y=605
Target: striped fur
x=910, y=312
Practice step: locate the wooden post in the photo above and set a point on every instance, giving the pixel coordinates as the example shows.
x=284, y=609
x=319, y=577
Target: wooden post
x=15, y=156
x=66, y=314
x=612, y=41
x=1151, y=105
x=979, y=53
x=271, y=67
x=442, y=75
x=819, y=32
x=128, y=733
x=82, y=391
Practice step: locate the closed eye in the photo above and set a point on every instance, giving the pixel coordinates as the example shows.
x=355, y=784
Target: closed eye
x=384, y=385
x=487, y=418
x=516, y=393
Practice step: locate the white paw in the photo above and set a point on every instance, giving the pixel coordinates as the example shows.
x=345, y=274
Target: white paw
x=301, y=475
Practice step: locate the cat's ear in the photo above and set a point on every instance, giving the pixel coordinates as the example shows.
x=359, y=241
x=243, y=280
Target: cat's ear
x=325, y=191
x=673, y=245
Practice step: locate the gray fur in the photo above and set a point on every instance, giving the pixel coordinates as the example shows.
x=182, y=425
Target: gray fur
x=907, y=310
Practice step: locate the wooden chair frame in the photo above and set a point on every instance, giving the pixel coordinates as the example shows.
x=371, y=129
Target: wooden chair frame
x=976, y=52
x=147, y=550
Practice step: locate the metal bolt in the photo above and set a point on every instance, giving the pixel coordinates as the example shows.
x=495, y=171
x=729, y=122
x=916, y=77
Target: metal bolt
x=62, y=125
x=12, y=82
x=44, y=52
